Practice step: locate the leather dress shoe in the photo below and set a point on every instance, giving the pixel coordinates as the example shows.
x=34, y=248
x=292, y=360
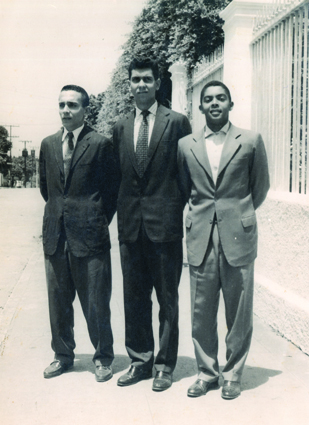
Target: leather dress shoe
x=103, y=373
x=134, y=375
x=56, y=368
x=201, y=387
x=230, y=390
x=162, y=381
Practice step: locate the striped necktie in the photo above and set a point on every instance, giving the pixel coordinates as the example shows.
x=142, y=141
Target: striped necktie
x=142, y=144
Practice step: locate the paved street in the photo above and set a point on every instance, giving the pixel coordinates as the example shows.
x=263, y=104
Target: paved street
x=275, y=385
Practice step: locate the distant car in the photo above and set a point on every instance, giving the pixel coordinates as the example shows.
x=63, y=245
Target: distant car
x=18, y=183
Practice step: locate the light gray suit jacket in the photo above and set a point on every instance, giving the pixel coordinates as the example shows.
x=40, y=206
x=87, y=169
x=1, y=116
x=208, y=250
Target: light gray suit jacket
x=241, y=187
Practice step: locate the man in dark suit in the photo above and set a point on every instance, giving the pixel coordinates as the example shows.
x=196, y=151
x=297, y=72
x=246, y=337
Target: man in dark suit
x=150, y=210
x=225, y=175
x=79, y=181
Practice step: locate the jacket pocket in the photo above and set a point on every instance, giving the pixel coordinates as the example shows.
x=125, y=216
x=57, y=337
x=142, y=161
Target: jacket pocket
x=239, y=161
x=248, y=221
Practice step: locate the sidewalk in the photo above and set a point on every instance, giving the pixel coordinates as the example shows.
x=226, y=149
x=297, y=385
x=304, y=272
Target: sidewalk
x=275, y=386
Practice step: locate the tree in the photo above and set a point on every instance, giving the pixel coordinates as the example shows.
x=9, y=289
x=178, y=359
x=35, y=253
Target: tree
x=118, y=100
x=18, y=168
x=95, y=104
x=166, y=30
x=5, y=146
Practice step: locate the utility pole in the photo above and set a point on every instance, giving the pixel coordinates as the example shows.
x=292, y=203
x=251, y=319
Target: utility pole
x=25, y=155
x=36, y=174
x=33, y=159
x=10, y=136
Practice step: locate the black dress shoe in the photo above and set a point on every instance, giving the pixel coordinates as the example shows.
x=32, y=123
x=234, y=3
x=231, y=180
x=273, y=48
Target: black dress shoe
x=103, y=373
x=134, y=375
x=201, y=387
x=162, y=381
x=230, y=390
x=56, y=368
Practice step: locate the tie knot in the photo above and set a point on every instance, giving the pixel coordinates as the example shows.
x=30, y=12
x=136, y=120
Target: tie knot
x=70, y=140
x=145, y=114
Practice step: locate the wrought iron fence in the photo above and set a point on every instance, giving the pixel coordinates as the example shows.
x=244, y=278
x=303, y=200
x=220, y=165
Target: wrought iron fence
x=280, y=91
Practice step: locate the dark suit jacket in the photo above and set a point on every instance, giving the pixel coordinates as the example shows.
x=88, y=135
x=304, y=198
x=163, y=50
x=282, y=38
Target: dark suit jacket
x=86, y=202
x=155, y=198
x=241, y=187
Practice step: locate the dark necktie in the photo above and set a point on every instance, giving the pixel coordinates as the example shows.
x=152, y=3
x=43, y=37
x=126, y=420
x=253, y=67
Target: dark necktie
x=142, y=144
x=68, y=152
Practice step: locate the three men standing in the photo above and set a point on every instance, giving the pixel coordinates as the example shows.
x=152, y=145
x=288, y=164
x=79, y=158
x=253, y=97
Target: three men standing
x=221, y=171
x=79, y=181
x=225, y=176
x=150, y=226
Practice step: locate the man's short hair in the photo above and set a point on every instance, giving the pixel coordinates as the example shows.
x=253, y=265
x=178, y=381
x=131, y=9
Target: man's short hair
x=85, y=97
x=215, y=83
x=143, y=64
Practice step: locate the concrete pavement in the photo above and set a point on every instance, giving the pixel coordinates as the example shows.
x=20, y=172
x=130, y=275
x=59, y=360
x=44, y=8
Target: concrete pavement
x=275, y=385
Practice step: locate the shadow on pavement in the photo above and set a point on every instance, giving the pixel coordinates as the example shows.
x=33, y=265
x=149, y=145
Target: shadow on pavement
x=254, y=377
x=83, y=363
x=186, y=367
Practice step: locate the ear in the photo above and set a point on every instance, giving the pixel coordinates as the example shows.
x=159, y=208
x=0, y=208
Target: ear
x=231, y=105
x=201, y=109
x=158, y=83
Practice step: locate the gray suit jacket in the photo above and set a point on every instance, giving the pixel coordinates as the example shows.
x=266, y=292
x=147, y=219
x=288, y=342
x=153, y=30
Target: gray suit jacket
x=241, y=187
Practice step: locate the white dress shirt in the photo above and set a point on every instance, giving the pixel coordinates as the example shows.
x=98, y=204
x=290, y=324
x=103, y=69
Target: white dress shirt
x=150, y=119
x=214, y=144
x=75, y=132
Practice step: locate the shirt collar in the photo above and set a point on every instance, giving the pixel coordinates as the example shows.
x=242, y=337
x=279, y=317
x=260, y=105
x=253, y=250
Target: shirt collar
x=153, y=109
x=224, y=129
x=75, y=132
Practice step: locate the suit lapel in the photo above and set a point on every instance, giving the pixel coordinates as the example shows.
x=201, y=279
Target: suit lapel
x=200, y=153
x=57, y=144
x=129, y=139
x=81, y=145
x=230, y=147
x=161, y=121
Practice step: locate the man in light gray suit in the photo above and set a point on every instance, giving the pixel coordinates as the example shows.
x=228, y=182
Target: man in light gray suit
x=224, y=175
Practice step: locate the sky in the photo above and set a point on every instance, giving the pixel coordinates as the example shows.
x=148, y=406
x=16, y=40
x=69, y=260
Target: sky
x=46, y=44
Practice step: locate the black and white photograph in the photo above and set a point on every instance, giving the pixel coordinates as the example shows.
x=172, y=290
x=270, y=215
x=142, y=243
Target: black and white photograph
x=154, y=198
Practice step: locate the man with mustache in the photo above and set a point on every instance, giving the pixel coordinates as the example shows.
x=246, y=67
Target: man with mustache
x=225, y=176
x=150, y=225
x=79, y=181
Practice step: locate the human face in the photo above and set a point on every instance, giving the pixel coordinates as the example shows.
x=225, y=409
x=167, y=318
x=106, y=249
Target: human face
x=216, y=107
x=144, y=87
x=71, y=110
